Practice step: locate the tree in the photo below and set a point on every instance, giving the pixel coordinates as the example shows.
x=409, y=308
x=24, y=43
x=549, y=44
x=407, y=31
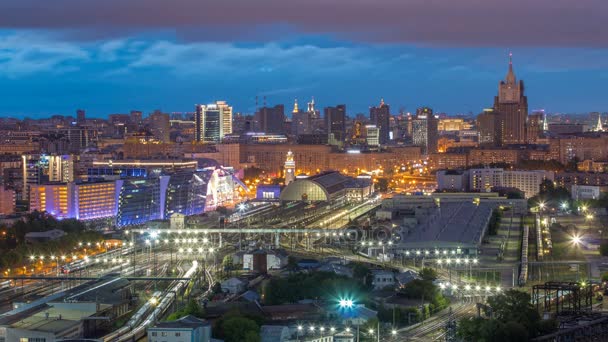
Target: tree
x=240, y=329
x=428, y=273
x=292, y=263
x=362, y=273
x=514, y=319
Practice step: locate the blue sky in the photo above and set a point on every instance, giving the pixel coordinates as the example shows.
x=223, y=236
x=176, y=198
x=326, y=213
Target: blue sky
x=112, y=67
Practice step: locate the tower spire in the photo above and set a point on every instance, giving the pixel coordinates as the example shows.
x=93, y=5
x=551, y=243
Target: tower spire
x=599, y=127
x=511, y=74
x=295, y=106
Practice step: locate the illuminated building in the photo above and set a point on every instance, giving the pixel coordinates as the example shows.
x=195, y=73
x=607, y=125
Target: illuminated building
x=7, y=201
x=372, y=136
x=160, y=126
x=330, y=186
x=39, y=169
x=169, y=165
x=83, y=201
x=484, y=180
x=52, y=198
x=380, y=116
x=212, y=122
x=534, y=127
x=335, y=121
x=489, y=127
x=512, y=106
x=92, y=200
x=452, y=125
x=424, y=130
x=139, y=200
x=290, y=168
x=186, y=193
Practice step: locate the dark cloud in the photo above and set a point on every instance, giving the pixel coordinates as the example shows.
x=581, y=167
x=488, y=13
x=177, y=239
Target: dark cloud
x=560, y=23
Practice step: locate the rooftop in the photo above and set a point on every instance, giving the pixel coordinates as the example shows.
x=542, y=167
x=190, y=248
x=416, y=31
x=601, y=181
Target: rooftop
x=186, y=322
x=453, y=222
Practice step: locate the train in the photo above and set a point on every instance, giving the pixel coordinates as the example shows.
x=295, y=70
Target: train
x=6, y=284
x=135, y=329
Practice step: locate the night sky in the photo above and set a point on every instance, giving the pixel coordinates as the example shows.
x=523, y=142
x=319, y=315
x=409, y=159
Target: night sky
x=112, y=56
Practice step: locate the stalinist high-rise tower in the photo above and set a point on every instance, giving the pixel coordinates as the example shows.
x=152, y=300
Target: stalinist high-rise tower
x=512, y=107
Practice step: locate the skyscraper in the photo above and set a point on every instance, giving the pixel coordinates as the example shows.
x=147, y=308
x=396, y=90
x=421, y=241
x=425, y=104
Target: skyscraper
x=335, y=121
x=270, y=119
x=380, y=116
x=489, y=128
x=534, y=127
x=212, y=122
x=160, y=126
x=424, y=130
x=512, y=106
x=80, y=117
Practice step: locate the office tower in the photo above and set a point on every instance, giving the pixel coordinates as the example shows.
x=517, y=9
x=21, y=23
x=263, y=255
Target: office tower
x=270, y=119
x=512, y=106
x=135, y=118
x=160, y=126
x=212, y=122
x=424, y=130
x=489, y=128
x=335, y=121
x=372, y=136
x=290, y=168
x=80, y=117
x=301, y=121
x=226, y=112
x=380, y=117
x=534, y=127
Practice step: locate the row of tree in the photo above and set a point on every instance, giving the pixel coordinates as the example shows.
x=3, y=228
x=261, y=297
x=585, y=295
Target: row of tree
x=17, y=252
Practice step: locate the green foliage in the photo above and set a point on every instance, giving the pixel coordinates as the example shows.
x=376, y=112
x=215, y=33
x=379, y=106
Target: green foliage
x=604, y=276
x=192, y=308
x=362, y=273
x=402, y=316
x=240, y=329
x=514, y=319
x=381, y=184
x=18, y=252
x=428, y=274
x=317, y=285
x=292, y=263
x=236, y=327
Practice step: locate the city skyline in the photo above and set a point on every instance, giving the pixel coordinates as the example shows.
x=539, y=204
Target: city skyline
x=449, y=58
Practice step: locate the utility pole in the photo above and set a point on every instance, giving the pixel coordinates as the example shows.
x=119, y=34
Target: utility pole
x=450, y=328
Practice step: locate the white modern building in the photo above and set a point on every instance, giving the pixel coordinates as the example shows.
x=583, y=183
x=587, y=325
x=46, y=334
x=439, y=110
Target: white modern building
x=585, y=192
x=185, y=329
x=486, y=179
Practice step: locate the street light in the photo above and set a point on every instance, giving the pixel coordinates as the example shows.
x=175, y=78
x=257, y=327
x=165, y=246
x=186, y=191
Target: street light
x=564, y=205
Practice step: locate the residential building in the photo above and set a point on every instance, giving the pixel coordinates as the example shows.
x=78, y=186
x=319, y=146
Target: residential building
x=7, y=201
x=270, y=119
x=160, y=126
